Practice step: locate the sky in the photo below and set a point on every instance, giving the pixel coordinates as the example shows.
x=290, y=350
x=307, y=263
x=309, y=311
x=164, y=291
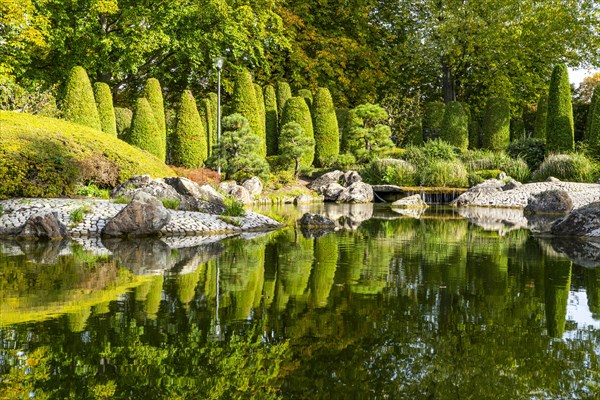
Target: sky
x=576, y=76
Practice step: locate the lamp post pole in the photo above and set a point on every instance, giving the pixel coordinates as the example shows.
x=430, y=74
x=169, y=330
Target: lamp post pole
x=219, y=66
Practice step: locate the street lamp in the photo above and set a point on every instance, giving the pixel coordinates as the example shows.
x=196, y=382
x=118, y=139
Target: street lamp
x=219, y=66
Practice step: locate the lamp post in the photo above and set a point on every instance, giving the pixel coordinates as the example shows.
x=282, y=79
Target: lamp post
x=219, y=66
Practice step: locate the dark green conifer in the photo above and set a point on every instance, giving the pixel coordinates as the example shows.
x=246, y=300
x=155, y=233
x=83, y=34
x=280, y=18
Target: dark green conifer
x=433, y=116
x=325, y=125
x=495, y=130
x=123, y=121
x=296, y=110
x=593, y=133
x=260, y=101
x=559, y=121
x=104, y=104
x=284, y=92
x=245, y=104
x=153, y=93
x=189, y=147
x=271, y=119
x=144, y=132
x=455, y=126
x=541, y=115
x=79, y=105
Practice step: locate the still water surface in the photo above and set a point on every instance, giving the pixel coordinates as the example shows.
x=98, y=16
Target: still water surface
x=391, y=307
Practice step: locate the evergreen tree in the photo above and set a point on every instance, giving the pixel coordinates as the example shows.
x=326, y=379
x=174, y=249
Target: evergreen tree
x=296, y=110
x=293, y=144
x=189, y=147
x=208, y=121
x=271, y=119
x=495, y=130
x=123, y=121
x=239, y=151
x=79, y=105
x=325, y=125
x=244, y=103
x=559, y=122
x=593, y=134
x=455, y=126
x=541, y=115
x=104, y=105
x=433, y=116
x=370, y=138
x=260, y=101
x=284, y=92
x=144, y=132
x=308, y=97
x=351, y=121
x=153, y=93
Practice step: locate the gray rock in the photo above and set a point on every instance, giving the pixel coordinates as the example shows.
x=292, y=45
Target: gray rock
x=325, y=179
x=553, y=179
x=331, y=191
x=303, y=199
x=195, y=197
x=316, y=220
x=511, y=185
x=584, y=221
x=238, y=192
x=413, y=201
x=253, y=185
x=358, y=192
x=387, y=188
x=550, y=202
x=144, y=216
x=144, y=183
x=350, y=177
x=473, y=195
x=43, y=226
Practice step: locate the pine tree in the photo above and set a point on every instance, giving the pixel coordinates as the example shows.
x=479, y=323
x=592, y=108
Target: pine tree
x=296, y=110
x=560, y=128
x=189, y=147
x=433, y=116
x=284, y=92
x=495, y=130
x=593, y=133
x=79, y=105
x=325, y=125
x=123, y=118
x=541, y=115
x=104, y=104
x=455, y=126
x=144, y=132
x=293, y=144
x=369, y=138
x=245, y=104
x=271, y=119
x=153, y=93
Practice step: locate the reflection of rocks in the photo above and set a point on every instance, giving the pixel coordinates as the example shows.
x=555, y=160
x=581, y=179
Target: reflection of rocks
x=43, y=252
x=316, y=220
x=582, y=252
x=584, y=221
x=499, y=220
x=313, y=233
x=410, y=212
x=349, y=216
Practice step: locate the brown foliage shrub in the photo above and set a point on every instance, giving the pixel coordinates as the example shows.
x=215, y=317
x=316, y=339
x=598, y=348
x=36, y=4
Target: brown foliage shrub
x=99, y=170
x=201, y=176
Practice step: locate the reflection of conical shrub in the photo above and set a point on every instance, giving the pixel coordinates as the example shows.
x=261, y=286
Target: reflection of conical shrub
x=376, y=267
x=557, y=283
x=140, y=292
x=442, y=238
x=78, y=319
x=186, y=286
x=592, y=278
x=295, y=263
x=102, y=308
x=154, y=296
x=326, y=256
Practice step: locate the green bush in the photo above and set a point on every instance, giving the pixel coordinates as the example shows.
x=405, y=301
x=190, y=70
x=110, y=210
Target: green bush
x=144, y=132
x=123, y=118
x=444, y=174
x=455, y=126
x=433, y=116
x=233, y=207
x=327, y=143
x=171, y=203
x=517, y=129
x=104, y=104
x=31, y=100
x=390, y=172
x=345, y=161
x=78, y=103
x=208, y=123
x=559, y=122
x=284, y=92
x=495, y=129
x=189, y=147
x=541, y=115
x=432, y=150
x=531, y=150
x=271, y=119
x=213, y=100
x=351, y=120
x=244, y=103
x=308, y=97
x=91, y=190
x=593, y=133
x=296, y=110
x=414, y=135
x=153, y=93
x=480, y=160
x=572, y=167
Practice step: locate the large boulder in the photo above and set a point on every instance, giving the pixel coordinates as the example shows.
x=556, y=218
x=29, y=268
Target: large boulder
x=584, y=221
x=199, y=198
x=478, y=192
x=331, y=191
x=145, y=215
x=145, y=183
x=350, y=177
x=43, y=226
x=358, y=192
x=238, y=192
x=549, y=202
x=253, y=185
x=325, y=179
x=414, y=201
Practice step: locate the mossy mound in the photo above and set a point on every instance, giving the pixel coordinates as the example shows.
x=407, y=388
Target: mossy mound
x=46, y=157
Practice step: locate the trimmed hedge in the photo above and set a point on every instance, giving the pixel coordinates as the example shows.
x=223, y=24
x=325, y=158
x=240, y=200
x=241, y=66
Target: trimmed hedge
x=327, y=143
x=593, y=133
x=213, y=98
x=560, y=128
x=104, y=104
x=308, y=97
x=208, y=121
x=244, y=103
x=144, y=132
x=433, y=116
x=260, y=101
x=153, y=93
x=455, y=126
x=189, y=138
x=123, y=118
x=351, y=121
x=79, y=105
x=541, y=115
x=284, y=92
x=296, y=110
x=271, y=119
x=496, y=124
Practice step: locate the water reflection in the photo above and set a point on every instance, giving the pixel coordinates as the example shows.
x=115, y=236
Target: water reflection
x=436, y=307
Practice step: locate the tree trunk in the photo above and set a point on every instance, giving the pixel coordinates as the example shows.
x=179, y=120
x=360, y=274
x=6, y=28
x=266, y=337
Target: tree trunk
x=448, y=84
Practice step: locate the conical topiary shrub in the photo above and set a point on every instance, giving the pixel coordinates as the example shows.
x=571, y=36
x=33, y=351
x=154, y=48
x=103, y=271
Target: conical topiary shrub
x=455, y=126
x=214, y=99
x=284, y=92
x=296, y=110
x=245, y=104
x=325, y=126
x=123, y=118
x=433, y=116
x=144, y=132
x=541, y=115
x=153, y=93
x=260, y=101
x=350, y=122
x=189, y=148
x=593, y=133
x=208, y=121
x=495, y=129
x=79, y=105
x=308, y=97
x=104, y=104
x=271, y=118
x=560, y=128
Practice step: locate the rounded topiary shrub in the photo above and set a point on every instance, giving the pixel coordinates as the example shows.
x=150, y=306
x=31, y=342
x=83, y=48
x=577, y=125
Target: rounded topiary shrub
x=104, y=104
x=296, y=110
x=189, y=147
x=444, y=174
x=153, y=93
x=123, y=121
x=572, y=167
x=455, y=126
x=271, y=119
x=433, y=116
x=560, y=129
x=144, y=132
x=541, y=115
x=325, y=125
x=245, y=104
x=284, y=92
x=78, y=103
x=495, y=129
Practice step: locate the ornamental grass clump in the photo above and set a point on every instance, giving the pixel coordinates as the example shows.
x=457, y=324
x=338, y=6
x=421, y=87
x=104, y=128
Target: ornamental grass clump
x=572, y=167
x=444, y=174
x=483, y=160
x=387, y=171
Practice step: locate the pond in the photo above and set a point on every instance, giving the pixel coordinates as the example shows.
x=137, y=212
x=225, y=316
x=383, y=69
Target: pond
x=389, y=307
